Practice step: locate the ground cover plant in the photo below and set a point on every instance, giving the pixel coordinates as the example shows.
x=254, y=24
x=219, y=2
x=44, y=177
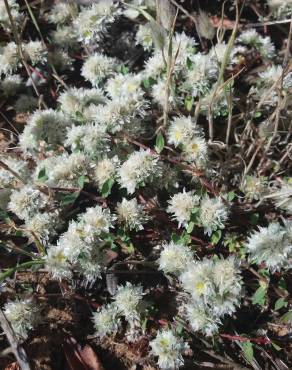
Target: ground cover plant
x=145, y=197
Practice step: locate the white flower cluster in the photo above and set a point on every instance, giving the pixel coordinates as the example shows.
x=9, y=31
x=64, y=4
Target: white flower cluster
x=23, y=316
x=214, y=288
x=90, y=139
x=182, y=205
x=281, y=9
x=98, y=67
x=261, y=44
x=131, y=214
x=7, y=179
x=126, y=304
x=9, y=58
x=81, y=247
x=11, y=85
x=106, y=169
x=74, y=101
x=174, y=258
x=63, y=170
x=169, y=349
x=213, y=213
x=254, y=187
x=35, y=52
x=185, y=133
x=271, y=245
x=37, y=210
x=44, y=129
x=139, y=168
x=92, y=21
x=17, y=16
x=63, y=12
x=27, y=201
x=144, y=36
x=282, y=197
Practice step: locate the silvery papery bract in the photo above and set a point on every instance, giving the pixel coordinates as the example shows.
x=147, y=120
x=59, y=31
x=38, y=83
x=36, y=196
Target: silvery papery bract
x=181, y=206
x=23, y=316
x=98, y=67
x=271, y=245
x=27, y=201
x=127, y=300
x=106, y=320
x=168, y=348
x=131, y=214
x=174, y=258
x=44, y=127
x=140, y=167
x=105, y=170
x=213, y=214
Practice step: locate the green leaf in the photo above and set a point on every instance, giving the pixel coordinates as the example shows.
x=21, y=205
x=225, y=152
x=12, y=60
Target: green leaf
x=257, y=114
x=189, y=64
x=82, y=180
x=254, y=218
x=216, y=236
x=42, y=176
x=4, y=216
x=280, y=303
x=277, y=348
x=67, y=199
x=107, y=187
x=287, y=317
x=189, y=101
x=159, y=144
x=190, y=227
x=247, y=348
x=231, y=196
x=260, y=295
x=175, y=238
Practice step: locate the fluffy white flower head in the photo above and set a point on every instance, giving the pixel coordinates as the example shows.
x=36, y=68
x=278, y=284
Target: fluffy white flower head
x=181, y=206
x=213, y=214
x=106, y=320
x=174, y=258
x=168, y=348
x=131, y=214
x=141, y=166
x=127, y=300
x=23, y=315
